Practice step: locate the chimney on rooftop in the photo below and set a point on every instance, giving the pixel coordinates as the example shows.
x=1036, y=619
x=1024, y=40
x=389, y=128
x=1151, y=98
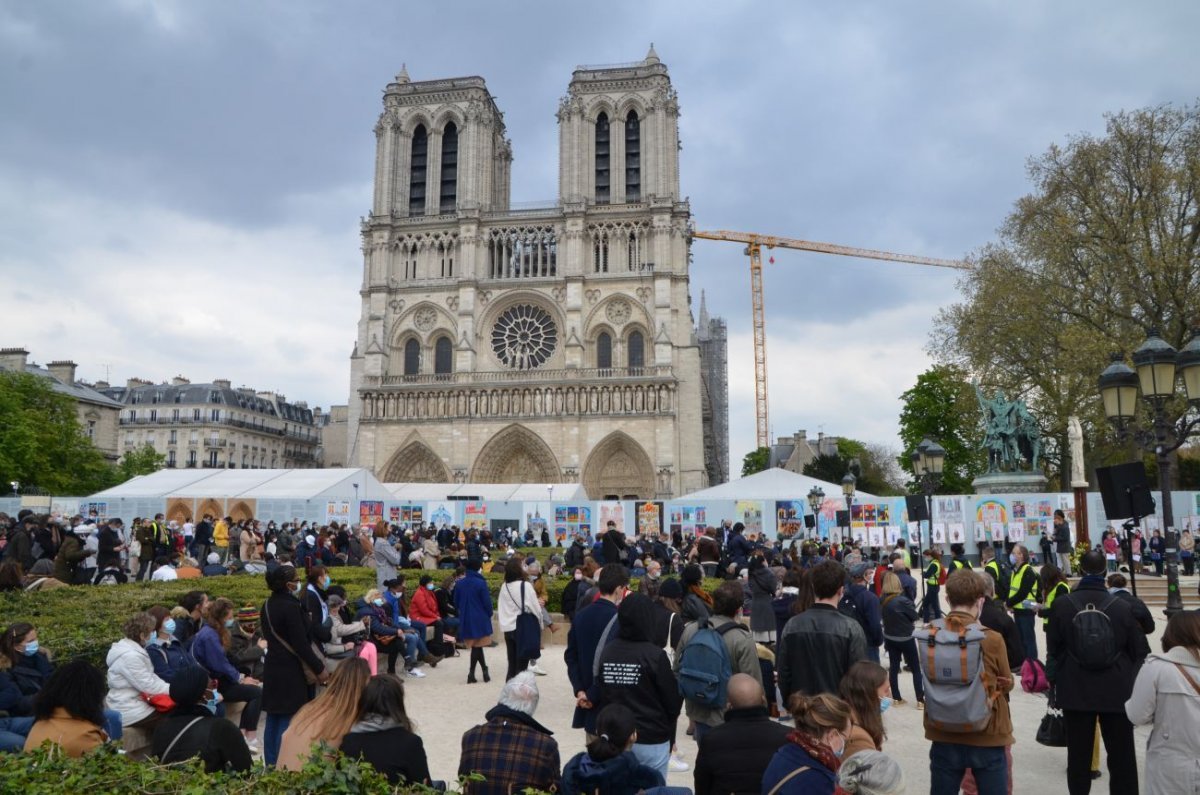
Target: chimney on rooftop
x=14, y=359
x=63, y=370
x=223, y=383
x=179, y=381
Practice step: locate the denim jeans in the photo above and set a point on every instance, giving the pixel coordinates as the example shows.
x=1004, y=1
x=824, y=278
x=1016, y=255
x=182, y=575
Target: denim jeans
x=1026, y=625
x=13, y=732
x=273, y=731
x=949, y=761
x=931, y=607
x=873, y=654
x=656, y=756
x=700, y=730
x=904, y=650
x=112, y=724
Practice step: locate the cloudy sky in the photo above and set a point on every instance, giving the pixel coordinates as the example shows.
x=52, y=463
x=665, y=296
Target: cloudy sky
x=181, y=182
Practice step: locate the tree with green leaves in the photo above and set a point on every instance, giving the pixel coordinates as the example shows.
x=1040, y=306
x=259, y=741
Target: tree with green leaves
x=756, y=461
x=1105, y=248
x=142, y=461
x=942, y=405
x=872, y=465
x=42, y=445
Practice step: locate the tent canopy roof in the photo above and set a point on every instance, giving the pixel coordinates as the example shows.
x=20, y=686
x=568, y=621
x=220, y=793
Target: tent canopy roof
x=499, y=492
x=281, y=484
x=772, y=484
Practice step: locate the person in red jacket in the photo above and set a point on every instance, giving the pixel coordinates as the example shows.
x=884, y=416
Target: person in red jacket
x=424, y=608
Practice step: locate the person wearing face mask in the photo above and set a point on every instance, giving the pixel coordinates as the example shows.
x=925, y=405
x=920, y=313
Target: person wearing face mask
x=424, y=609
x=986, y=752
x=808, y=762
x=168, y=655
x=131, y=676
x=866, y=689
x=192, y=729
x=571, y=593
x=284, y=624
x=590, y=629
x=210, y=649
x=414, y=631
x=388, y=639
x=316, y=604
x=1020, y=598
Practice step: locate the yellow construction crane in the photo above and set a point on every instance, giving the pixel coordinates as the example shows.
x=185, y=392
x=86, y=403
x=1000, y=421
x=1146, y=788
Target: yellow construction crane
x=754, y=244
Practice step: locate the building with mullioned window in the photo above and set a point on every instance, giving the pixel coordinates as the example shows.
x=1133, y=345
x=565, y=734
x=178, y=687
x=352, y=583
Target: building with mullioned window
x=522, y=344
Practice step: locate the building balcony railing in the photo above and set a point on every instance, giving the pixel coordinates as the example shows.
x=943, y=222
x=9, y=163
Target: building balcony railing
x=565, y=375
x=226, y=421
x=215, y=443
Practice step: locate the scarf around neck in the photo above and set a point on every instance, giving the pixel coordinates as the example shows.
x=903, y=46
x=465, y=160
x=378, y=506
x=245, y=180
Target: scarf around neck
x=818, y=750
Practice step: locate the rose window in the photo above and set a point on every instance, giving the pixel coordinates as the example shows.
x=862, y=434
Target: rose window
x=524, y=337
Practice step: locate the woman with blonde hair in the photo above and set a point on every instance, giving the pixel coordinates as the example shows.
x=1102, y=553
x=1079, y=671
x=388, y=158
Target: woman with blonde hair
x=327, y=718
x=899, y=616
x=808, y=762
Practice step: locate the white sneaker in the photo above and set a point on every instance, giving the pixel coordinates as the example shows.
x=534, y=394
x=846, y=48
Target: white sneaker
x=416, y=673
x=677, y=765
x=534, y=668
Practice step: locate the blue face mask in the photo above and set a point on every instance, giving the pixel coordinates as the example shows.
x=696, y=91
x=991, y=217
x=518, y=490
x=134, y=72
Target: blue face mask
x=169, y=626
x=149, y=641
x=1012, y=559
x=429, y=586
x=229, y=622
x=378, y=602
x=325, y=583
x=884, y=704
x=211, y=704
x=31, y=648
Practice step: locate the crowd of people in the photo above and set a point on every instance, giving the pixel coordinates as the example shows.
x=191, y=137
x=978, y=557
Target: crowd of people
x=793, y=635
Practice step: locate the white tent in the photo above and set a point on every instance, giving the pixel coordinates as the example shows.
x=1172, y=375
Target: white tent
x=771, y=484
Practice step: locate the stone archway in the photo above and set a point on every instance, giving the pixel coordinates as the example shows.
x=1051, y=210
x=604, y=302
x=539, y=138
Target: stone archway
x=242, y=510
x=179, y=510
x=619, y=467
x=415, y=463
x=211, y=507
x=516, y=455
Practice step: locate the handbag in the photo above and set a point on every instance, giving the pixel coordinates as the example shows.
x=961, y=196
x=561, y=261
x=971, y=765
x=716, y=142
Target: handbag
x=528, y=631
x=1052, y=731
x=310, y=676
x=161, y=702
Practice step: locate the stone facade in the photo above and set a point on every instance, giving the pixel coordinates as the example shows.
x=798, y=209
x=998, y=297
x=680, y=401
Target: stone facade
x=534, y=344
x=713, y=339
x=793, y=453
x=214, y=426
x=332, y=426
x=97, y=413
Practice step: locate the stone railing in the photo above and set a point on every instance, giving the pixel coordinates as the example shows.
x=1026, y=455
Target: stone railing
x=568, y=375
x=611, y=398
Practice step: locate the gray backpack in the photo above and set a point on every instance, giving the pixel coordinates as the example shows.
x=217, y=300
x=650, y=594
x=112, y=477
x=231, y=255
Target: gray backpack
x=956, y=699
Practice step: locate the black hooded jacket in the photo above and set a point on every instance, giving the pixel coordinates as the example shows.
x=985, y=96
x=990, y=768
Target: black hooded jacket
x=636, y=673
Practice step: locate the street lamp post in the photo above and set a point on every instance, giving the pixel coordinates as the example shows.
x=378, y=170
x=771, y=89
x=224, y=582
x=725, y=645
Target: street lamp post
x=848, y=492
x=928, y=463
x=1158, y=366
x=816, y=498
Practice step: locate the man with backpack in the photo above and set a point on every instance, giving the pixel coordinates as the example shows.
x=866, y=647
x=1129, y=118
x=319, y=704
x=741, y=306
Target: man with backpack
x=965, y=669
x=860, y=603
x=818, y=646
x=720, y=647
x=1094, y=650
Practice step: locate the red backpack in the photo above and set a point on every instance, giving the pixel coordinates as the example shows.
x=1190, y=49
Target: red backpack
x=1033, y=676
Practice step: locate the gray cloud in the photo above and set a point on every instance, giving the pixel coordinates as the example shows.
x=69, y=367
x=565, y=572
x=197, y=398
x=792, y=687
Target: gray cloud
x=180, y=183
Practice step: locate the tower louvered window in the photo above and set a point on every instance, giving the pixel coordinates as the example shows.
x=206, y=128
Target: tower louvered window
x=417, y=167
x=602, y=161
x=633, y=158
x=449, y=169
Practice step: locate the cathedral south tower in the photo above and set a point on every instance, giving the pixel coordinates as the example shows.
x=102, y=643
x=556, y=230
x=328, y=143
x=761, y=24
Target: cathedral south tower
x=529, y=345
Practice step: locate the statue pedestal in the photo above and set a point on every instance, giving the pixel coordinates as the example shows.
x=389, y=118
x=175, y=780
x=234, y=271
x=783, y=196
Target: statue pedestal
x=1010, y=483
x=1080, y=488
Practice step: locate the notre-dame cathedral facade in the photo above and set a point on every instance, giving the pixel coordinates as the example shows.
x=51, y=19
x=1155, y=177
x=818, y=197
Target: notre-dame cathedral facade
x=547, y=344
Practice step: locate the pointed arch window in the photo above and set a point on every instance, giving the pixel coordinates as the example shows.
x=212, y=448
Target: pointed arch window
x=443, y=356
x=412, y=357
x=602, y=161
x=449, y=170
x=416, y=172
x=604, y=351
x=637, y=353
x=633, y=158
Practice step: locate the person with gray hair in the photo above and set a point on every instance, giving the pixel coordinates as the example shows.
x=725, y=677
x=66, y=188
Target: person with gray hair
x=512, y=751
x=871, y=773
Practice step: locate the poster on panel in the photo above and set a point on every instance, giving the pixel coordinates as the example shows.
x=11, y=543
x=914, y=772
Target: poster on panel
x=750, y=514
x=611, y=511
x=789, y=518
x=475, y=516
x=649, y=518
x=370, y=512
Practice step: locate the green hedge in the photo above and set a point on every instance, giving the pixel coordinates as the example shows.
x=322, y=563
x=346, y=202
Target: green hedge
x=49, y=772
x=85, y=620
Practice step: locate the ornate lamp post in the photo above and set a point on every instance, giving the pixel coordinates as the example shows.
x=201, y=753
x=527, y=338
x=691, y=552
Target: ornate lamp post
x=816, y=498
x=848, y=492
x=928, y=463
x=1158, y=365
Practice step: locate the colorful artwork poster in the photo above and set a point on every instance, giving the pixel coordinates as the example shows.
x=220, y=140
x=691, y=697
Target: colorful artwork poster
x=560, y=514
x=412, y=514
x=857, y=514
x=989, y=511
x=789, y=518
x=883, y=514
x=441, y=514
x=750, y=512
x=475, y=516
x=101, y=509
x=370, y=512
x=393, y=514
x=948, y=509
x=1018, y=509
x=535, y=521
x=1045, y=509
x=649, y=518
x=574, y=520
x=560, y=532
x=613, y=512
x=869, y=514
x=337, y=511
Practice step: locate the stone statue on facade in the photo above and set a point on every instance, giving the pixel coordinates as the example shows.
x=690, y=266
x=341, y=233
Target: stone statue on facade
x=1011, y=435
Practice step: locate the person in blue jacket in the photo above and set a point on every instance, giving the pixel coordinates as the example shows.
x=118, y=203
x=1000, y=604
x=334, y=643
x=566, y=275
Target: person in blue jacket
x=168, y=655
x=808, y=762
x=609, y=766
x=861, y=602
x=473, y=601
x=584, y=640
x=209, y=647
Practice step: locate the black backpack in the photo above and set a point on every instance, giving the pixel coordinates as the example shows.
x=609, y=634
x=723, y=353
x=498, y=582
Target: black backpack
x=1092, y=642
